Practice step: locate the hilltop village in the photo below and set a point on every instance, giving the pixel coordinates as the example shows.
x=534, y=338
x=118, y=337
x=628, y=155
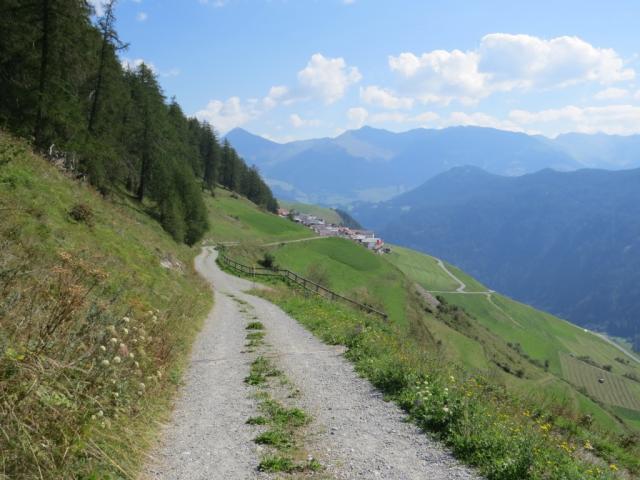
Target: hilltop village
x=366, y=238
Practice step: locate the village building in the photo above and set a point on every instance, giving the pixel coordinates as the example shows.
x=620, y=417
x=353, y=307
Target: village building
x=366, y=238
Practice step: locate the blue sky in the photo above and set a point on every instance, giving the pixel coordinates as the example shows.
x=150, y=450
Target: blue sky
x=293, y=69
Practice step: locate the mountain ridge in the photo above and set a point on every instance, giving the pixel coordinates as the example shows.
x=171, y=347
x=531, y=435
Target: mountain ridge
x=564, y=242
x=372, y=164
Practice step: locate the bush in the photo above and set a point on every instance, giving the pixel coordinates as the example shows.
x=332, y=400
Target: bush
x=317, y=273
x=82, y=213
x=268, y=261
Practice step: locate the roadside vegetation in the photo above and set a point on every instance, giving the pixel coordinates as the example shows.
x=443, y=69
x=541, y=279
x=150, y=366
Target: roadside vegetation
x=98, y=310
x=503, y=435
x=521, y=400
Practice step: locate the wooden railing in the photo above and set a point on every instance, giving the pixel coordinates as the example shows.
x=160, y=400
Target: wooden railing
x=293, y=277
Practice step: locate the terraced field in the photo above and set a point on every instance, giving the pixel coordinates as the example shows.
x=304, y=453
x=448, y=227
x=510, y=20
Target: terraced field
x=615, y=390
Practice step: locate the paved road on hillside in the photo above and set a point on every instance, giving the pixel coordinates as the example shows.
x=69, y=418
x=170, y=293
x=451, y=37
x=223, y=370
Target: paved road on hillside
x=462, y=286
x=354, y=433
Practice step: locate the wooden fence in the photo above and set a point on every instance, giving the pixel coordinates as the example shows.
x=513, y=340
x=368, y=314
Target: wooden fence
x=305, y=283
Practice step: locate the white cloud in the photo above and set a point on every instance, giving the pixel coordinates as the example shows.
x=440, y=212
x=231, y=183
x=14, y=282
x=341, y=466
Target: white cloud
x=610, y=119
x=480, y=119
x=504, y=62
x=276, y=94
x=132, y=64
x=298, y=122
x=98, y=6
x=226, y=115
x=441, y=76
x=327, y=78
x=142, y=16
x=381, y=97
x=611, y=93
x=357, y=116
x=129, y=64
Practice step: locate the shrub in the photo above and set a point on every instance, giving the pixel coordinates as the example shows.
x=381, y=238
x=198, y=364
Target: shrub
x=268, y=261
x=318, y=273
x=82, y=213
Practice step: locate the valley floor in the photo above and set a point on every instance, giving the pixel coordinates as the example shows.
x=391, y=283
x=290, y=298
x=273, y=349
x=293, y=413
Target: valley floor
x=354, y=433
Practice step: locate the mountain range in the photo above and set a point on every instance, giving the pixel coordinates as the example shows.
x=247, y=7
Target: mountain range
x=564, y=242
x=374, y=165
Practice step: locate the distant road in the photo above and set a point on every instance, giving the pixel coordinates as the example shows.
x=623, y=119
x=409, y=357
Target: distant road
x=273, y=244
x=462, y=287
x=619, y=347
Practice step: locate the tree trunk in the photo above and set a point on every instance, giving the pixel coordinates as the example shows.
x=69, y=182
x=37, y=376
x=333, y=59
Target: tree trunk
x=44, y=66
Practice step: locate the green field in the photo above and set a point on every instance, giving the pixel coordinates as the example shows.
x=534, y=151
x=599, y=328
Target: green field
x=236, y=219
x=425, y=270
x=484, y=333
x=351, y=270
x=422, y=269
x=615, y=390
x=502, y=332
x=538, y=337
x=327, y=214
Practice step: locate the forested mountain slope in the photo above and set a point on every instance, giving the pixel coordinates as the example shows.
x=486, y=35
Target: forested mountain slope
x=64, y=87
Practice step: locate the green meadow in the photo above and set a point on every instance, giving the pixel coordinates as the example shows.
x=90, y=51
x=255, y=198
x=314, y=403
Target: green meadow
x=235, y=219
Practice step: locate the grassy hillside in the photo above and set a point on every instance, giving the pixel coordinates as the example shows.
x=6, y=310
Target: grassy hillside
x=98, y=309
x=520, y=346
x=561, y=348
x=351, y=270
x=235, y=219
x=327, y=214
x=515, y=345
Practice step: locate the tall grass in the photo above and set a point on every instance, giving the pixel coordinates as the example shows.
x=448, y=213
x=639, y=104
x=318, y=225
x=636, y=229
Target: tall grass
x=94, y=332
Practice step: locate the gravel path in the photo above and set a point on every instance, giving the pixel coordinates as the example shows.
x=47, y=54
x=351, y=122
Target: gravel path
x=357, y=434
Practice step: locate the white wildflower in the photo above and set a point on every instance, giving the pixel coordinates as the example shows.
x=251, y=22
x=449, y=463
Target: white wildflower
x=105, y=363
x=126, y=319
x=136, y=364
x=117, y=359
x=131, y=355
x=100, y=413
x=114, y=340
x=142, y=386
x=126, y=331
x=445, y=409
x=103, y=348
